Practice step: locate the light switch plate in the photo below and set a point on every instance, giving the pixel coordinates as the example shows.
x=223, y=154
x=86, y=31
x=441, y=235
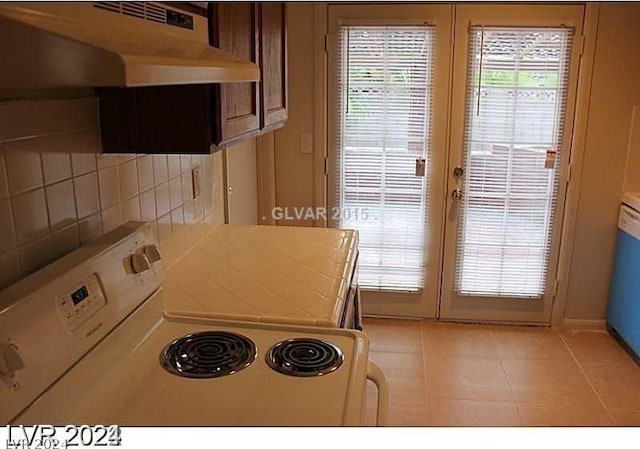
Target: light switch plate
x=306, y=143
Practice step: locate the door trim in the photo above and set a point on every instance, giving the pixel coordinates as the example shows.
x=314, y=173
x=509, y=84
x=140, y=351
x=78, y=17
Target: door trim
x=320, y=109
x=583, y=94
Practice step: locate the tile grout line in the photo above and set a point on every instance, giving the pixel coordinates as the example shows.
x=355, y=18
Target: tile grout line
x=423, y=354
x=584, y=373
x=506, y=376
x=453, y=398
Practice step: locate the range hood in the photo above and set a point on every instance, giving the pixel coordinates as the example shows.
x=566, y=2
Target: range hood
x=99, y=44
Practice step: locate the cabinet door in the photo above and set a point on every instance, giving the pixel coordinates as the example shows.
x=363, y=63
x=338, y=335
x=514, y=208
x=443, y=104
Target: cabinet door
x=234, y=28
x=273, y=47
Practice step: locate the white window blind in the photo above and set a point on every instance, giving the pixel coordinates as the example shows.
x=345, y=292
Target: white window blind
x=384, y=100
x=516, y=99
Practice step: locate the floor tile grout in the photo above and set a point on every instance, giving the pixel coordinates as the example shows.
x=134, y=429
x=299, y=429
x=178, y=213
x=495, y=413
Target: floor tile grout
x=394, y=339
x=584, y=373
x=424, y=370
x=497, y=359
x=506, y=376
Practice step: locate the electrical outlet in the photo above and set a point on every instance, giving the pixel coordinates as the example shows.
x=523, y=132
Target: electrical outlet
x=306, y=143
x=195, y=181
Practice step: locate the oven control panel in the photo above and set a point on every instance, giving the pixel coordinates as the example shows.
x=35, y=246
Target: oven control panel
x=81, y=302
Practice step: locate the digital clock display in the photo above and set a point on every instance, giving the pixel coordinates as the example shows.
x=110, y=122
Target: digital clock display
x=79, y=295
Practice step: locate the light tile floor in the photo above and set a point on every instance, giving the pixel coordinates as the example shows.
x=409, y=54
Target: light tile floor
x=479, y=375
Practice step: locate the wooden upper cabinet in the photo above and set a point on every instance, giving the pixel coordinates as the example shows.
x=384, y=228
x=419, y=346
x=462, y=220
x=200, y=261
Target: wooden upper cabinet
x=273, y=64
x=234, y=27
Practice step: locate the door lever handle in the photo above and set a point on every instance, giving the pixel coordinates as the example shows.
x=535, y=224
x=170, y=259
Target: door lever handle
x=457, y=194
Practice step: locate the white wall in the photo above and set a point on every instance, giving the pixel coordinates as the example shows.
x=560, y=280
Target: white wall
x=615, y=90
x=294, y=170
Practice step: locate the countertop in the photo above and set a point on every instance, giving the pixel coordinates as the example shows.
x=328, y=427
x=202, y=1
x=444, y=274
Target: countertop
x=277, y=274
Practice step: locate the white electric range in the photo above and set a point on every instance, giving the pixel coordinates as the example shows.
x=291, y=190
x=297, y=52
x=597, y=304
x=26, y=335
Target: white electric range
x=85, y=341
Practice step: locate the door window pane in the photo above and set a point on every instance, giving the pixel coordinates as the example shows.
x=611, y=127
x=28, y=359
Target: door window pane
x=384, y=98
x=516, y=100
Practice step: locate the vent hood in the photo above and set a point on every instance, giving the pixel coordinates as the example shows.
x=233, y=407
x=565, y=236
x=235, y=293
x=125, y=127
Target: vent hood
x=99, y=44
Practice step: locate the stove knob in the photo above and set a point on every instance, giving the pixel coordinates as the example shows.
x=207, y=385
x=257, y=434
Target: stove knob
x=152, y=252
x=139, y=263
x=10, y=360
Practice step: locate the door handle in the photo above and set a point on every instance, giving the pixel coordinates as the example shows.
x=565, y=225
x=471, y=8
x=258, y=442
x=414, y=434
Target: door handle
x=457, y=194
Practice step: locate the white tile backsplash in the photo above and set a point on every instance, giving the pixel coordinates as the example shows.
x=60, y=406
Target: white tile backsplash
x=106, y=160
x=148, y=205
x=9, y=268
x=36, y=254
x=61, y=204
x=111, y=218
x=128, y=175
x=173, y=162
x=7, y=235
x=145, y=172
x=187, y=187
x=131, y=209
x=90, y=228
x=87, y=198
x=185, y=162
x=24, y=165
x=163, y=199
x=83, y=163
x=56, y=166
x=57, y=191
x=160, y=168
x=175, y=192
x=109, y=183
x=30, y=216
x=65, y=240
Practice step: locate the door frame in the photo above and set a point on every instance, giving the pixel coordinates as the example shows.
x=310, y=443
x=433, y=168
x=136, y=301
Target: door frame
x=569, y=217
x=572, y=197
x=425, y=303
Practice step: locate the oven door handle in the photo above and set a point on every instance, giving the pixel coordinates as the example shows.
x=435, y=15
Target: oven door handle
x=376, y=375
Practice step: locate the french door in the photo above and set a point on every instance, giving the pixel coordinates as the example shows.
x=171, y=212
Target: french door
x=513, y=93
x=388, y=94
x=450, y=154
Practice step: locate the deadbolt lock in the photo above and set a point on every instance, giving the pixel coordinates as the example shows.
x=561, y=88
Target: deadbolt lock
x=458, y=172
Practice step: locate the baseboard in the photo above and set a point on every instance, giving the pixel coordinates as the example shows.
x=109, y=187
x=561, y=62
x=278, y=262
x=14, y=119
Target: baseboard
x=567, y=323
x=574, y=323
x=396, y=317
